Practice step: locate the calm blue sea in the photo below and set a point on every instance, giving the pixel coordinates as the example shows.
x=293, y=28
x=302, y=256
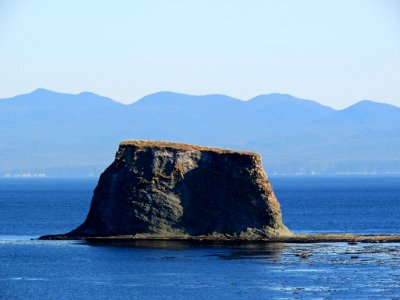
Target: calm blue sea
x=33, y=269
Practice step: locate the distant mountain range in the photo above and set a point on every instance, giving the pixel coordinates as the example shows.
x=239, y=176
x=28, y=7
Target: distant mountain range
x=55, y=134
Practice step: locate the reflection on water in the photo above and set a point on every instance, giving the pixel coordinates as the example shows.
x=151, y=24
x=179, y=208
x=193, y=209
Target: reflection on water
x=165, y=244
x=355, y=253
x=232, y=250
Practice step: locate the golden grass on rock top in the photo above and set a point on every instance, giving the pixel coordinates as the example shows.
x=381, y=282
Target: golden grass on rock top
x=185, y=147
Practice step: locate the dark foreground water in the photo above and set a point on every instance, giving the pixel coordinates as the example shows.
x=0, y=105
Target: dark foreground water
x=32, y=269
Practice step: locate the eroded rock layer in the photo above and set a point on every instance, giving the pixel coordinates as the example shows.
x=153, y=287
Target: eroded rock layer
x=160, y=189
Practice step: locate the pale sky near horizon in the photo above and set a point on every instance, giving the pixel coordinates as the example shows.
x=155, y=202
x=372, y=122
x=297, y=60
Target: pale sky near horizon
x=334, y=52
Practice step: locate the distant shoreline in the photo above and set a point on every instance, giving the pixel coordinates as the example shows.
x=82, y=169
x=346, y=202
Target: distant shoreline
x=354, y=175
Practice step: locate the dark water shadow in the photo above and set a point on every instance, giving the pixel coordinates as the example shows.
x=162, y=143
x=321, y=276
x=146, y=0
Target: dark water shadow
x=229, y=251
x=171, y=244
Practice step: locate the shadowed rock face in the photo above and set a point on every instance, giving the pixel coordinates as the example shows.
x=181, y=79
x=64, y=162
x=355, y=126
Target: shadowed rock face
x=158, y=189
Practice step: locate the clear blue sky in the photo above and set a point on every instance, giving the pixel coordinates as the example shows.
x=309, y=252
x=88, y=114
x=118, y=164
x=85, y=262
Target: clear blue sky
x=335, y=52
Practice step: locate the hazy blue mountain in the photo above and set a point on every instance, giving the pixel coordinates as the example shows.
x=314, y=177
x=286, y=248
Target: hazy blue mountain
x=77, y=135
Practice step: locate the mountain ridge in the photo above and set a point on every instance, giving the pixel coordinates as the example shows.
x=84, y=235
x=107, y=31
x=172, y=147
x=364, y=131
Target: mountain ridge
x=48, y=91
x=75, y=134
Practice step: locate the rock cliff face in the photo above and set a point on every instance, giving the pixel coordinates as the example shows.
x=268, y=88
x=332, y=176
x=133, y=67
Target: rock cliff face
x=170, y=190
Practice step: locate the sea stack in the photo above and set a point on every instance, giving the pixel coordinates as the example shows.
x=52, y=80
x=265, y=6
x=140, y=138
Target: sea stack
x=177, y=191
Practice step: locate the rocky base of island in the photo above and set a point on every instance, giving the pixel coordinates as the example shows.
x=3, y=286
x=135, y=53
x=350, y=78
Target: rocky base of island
x=295, y=238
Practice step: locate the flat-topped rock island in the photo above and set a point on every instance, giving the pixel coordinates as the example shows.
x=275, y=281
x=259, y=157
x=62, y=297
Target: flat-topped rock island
x=170, y=191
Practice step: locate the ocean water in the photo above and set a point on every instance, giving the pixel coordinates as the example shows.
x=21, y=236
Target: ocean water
x=33, y=269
